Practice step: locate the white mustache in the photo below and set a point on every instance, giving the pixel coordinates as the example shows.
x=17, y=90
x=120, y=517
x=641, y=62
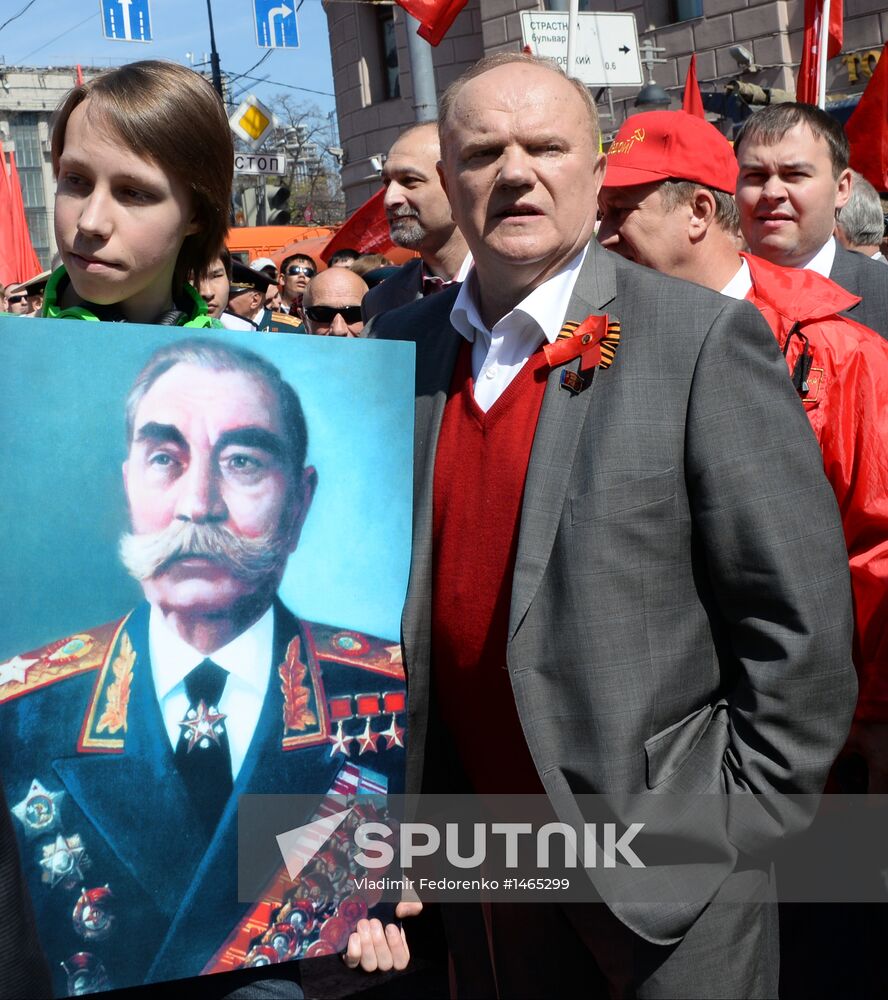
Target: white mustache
x=248, y=559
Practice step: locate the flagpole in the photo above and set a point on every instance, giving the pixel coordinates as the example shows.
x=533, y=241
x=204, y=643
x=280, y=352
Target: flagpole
x=573, y=24
x=422, y=73
x=822, y=53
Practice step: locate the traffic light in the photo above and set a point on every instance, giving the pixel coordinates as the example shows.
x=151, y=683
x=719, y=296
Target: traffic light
x=278, y=198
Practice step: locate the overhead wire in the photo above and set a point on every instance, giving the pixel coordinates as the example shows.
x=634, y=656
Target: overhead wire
x=255, y=65
x=289, y=86
x=61, y=34
x=15, y=17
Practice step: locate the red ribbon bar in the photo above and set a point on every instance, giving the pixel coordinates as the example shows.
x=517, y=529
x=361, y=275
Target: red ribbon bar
x=394, y=701
x=585, y=344
x=368, y=704
x=340, y=708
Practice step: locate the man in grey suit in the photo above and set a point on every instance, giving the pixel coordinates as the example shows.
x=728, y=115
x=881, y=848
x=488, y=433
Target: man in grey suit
x=419, y=219
x=794, y=178
x=628, y=568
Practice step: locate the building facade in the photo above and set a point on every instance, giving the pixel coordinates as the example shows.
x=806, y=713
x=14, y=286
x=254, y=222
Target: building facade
x=28, y=98
x=371, y=66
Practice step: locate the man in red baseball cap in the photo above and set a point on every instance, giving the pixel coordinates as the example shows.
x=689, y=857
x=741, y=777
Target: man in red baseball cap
x=666, y=203
x=665, y=171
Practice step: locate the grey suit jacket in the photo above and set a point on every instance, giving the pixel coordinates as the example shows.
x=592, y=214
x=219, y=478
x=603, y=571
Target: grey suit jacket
x=680, y=617
x=398, y=290
x=868, y=279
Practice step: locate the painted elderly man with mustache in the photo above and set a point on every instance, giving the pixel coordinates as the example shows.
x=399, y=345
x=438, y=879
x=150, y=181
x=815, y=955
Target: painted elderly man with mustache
x=127, y=746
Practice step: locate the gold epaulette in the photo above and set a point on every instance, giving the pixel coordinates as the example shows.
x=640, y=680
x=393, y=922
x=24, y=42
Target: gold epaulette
x=57, y=661
x=357, y=649
x=286, y=319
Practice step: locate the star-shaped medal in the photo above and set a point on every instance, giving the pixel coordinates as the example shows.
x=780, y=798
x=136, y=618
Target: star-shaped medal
x=15, y=670
x=340, y=741
x=202, y=726
x=367, y=740
x=64, y=861
x=394, y=735
x=38, y=812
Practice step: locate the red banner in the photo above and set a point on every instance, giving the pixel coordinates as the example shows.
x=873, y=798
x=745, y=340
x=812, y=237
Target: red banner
x=8, y=254
x=808, y=82
x=434, y=16
x=365, y=230
x=692, y=102
x=27, y=263
x=867, y=128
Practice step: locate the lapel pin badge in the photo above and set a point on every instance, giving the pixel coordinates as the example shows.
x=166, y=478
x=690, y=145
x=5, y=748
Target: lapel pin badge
x=594, y=342
x=572, y=381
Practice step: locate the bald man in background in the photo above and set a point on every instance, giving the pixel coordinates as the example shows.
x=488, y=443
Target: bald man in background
x=331, y=305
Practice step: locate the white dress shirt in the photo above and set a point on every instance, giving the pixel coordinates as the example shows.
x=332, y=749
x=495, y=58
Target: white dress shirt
x=499, y=354
x=823, y=260
x=232, y=322
x=465, y=267
x=739, y=286
x=248, y=662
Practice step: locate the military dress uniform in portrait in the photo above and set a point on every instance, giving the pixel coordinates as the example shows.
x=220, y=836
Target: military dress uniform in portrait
x=129, y=882
x=128, y=746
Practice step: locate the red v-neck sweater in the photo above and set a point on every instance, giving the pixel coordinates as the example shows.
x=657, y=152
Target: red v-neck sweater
x=480, y=468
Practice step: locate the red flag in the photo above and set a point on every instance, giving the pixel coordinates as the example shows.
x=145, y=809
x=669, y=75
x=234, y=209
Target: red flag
x=808, y=82
x=8, y=254
x=867, y=128
x=365, y=230
x=434, y=16
x=692, y=102
x=27, y=263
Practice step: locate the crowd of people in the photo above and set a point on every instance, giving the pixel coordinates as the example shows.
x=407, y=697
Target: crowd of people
x=650, y=537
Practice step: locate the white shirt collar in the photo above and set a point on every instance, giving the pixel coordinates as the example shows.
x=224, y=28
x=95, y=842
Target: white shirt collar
x=247, y=657
x=823, y=260
x=544, y=307
x=464, y=268
x=738, y=287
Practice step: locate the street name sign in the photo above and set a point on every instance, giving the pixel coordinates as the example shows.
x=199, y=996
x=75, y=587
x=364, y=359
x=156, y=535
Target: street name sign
x=606, y=46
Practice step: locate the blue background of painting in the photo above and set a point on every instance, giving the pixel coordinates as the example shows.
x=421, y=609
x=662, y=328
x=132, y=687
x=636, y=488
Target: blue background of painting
x=62, y=508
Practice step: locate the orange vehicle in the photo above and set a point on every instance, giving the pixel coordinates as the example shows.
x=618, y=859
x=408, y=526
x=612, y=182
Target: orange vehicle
x=246, y=243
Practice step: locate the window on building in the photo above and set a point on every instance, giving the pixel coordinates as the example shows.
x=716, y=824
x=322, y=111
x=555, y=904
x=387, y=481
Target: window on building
x=24, y=132
x=391, y=81
x=685, y=10
x=379, y=52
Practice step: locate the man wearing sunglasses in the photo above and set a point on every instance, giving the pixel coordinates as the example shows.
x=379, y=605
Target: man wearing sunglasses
x=331, y=306
x=17, y=301
x=296, y=272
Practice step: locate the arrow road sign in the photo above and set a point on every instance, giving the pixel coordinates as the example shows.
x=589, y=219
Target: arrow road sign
x=276, y=26
x=606, y=46
x=126, y=20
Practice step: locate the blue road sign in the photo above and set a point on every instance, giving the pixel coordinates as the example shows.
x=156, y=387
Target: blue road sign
x=126, y=20
x=276, y=26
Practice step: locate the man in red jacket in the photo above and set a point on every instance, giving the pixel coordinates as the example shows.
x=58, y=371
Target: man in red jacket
x=667, y=203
